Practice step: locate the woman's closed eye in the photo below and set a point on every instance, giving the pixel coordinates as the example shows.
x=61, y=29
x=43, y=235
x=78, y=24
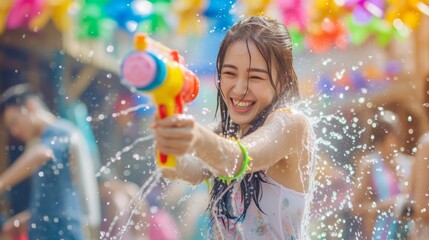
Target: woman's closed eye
x=256, y=77
x=228, y=74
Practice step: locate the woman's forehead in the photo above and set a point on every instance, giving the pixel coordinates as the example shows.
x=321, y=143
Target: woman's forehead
x=242, y=52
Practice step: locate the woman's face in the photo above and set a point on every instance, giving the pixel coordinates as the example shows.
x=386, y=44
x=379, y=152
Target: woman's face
x=19, y=121
x=246, y=89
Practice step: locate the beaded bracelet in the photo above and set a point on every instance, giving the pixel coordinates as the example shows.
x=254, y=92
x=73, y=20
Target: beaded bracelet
x=244, y=167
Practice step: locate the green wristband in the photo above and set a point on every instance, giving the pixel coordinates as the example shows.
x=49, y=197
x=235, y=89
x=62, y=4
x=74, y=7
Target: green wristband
x=243, y=168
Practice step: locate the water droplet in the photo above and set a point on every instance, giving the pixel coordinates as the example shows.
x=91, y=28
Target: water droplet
x=110, y=49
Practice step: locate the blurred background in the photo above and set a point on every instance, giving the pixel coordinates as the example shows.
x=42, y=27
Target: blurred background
x=352, y=58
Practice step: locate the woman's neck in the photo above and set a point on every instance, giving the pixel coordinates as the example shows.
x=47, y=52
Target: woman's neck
x=242, y=130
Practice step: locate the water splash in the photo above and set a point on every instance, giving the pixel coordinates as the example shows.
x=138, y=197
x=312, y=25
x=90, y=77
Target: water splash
x=143, y=193
x=105, y=168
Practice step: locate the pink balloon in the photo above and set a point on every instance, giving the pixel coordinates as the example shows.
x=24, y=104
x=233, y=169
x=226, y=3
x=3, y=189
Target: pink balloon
x=22, y=12
x=293, y=12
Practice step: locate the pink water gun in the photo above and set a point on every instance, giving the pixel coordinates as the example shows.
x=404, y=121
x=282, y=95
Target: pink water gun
x=160, y=72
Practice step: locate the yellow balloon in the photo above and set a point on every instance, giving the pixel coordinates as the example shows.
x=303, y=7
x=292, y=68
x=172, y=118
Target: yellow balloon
x=411, y=19
x=408, y=11
x=323, y=10
x=256, y=7
x=190, y=16
x=57, y=10
x=4, y=12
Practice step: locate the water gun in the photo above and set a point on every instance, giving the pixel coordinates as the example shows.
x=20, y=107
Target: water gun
x=160, y=72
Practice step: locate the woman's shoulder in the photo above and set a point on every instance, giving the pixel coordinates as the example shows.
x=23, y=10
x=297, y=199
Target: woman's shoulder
x=291, y=115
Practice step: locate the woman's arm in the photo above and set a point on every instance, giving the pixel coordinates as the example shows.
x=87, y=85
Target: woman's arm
x=24, y=166
x=283, y=134
x=189, y=169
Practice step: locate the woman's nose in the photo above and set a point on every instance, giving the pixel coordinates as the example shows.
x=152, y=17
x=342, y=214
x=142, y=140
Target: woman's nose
x=241, y=86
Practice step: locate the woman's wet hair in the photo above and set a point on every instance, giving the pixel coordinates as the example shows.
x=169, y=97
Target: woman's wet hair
x=273, y=41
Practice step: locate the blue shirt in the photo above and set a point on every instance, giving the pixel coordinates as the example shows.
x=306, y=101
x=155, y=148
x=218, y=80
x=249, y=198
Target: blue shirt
x=55, y=202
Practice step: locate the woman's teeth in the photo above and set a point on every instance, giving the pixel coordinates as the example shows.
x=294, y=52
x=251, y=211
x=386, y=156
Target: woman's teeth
x=241, y=104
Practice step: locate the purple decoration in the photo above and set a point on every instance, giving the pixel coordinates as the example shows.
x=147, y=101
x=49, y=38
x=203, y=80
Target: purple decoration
x=365, y=10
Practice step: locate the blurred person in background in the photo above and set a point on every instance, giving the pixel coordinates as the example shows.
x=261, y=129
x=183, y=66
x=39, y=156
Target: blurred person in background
x=380, y=182
x=420, y=179
x=420, y=190
x=59, y=206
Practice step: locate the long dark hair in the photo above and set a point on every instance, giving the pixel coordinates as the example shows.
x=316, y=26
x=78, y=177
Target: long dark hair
x=273, y=41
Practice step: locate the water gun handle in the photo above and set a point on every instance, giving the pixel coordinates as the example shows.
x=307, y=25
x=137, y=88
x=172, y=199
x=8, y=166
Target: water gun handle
x=164, y=160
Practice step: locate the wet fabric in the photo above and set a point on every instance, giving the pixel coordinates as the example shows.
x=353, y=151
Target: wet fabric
x=55, y=201
x=282, y=215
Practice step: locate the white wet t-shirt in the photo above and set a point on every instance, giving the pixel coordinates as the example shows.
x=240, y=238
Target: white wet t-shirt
x=283, y=208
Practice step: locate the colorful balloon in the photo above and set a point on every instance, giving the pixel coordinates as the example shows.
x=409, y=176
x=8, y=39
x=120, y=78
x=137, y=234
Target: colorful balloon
x=256, y=7
x=189, y=13
x=293, y=13
x=297, y=38
x=156, y=21
x=4, y=12
x=22, y=12
x=365, y=10
x=57, y=10
x=358, y=33
x=382, y=30
x=406, y=11
x=322, y=9
x=330, y=33
x=218, y=12
x=128, y=14
x=93, y=21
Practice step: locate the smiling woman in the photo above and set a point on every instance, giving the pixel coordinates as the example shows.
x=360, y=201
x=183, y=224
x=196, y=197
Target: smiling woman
x=260, y=181
x=247, y=90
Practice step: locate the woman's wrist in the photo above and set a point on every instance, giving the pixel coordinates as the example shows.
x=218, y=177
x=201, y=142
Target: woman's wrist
x=222, y=155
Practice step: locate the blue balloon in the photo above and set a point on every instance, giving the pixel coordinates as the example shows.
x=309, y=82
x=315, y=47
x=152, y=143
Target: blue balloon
x=358, y=80
x=325, y=85
x=125, y=13
x=219, y=14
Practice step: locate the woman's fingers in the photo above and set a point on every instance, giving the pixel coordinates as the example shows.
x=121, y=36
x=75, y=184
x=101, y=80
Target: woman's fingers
x=172, y=147
x=174, y=133
x=171, y=143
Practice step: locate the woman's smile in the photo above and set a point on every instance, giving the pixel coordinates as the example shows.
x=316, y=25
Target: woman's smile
x=241, y=106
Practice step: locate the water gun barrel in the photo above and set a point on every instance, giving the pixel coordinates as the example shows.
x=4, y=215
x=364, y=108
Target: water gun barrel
x=160, y=72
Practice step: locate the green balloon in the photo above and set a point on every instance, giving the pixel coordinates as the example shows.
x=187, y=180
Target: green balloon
x=93, y=22
x=297, y=38
x=384, y=32
x=156, y=22
x=358, y=33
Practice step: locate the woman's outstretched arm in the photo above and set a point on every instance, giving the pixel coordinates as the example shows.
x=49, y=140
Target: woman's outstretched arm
x=283, y=134
x=189, y=169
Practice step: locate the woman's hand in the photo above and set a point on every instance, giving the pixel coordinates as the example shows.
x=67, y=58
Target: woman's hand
x=176, y=135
